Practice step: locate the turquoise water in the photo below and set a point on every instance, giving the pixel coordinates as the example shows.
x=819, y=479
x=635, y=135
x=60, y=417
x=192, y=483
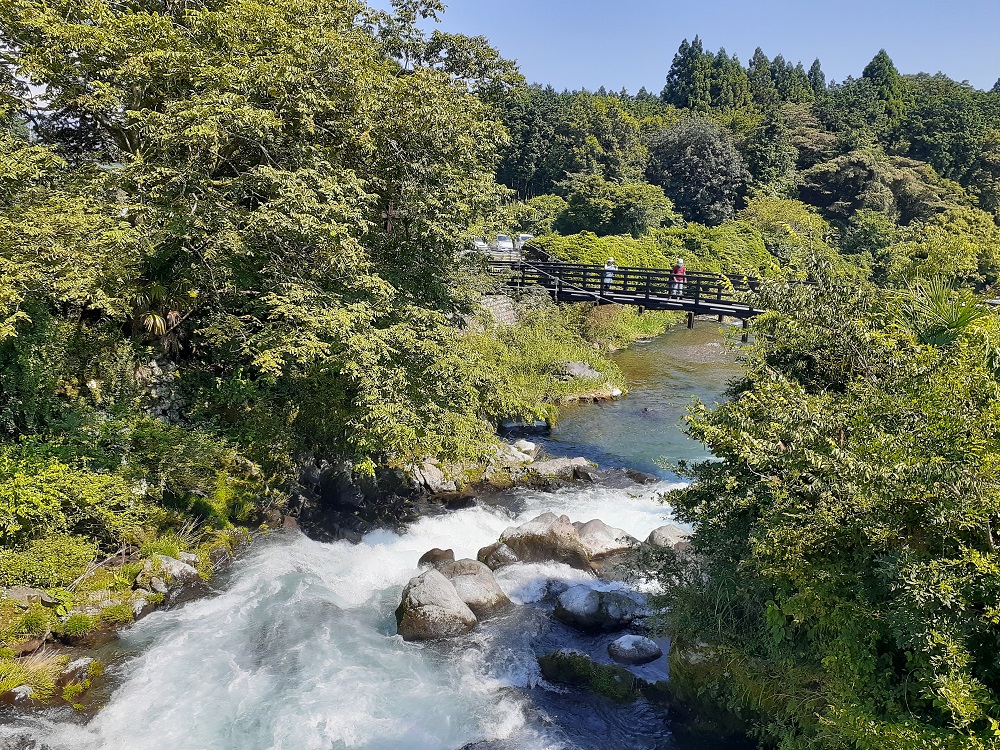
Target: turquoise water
x=645, y=430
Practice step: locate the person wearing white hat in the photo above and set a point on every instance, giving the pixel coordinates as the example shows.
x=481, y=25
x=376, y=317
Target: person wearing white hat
x=609, y=273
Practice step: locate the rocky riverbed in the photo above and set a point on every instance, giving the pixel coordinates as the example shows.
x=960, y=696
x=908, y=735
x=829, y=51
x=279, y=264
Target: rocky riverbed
x=298, y=645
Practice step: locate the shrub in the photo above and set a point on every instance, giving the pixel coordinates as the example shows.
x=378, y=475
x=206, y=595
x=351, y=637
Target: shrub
x=78, y=624
x=118, y=614
x=47, y=562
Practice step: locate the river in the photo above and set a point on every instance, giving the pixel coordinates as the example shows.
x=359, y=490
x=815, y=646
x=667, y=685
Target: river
x=296, y=648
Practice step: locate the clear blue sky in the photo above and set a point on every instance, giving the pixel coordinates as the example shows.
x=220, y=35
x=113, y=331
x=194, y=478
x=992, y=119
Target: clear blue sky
x=630, y=43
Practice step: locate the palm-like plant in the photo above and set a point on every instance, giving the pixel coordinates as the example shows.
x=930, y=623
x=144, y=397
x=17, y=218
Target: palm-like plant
x=937, y=313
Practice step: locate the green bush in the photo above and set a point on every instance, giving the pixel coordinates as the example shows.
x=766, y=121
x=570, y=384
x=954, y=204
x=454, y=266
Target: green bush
x=519, y=368
x=732, y=248
x=843, y=591
x=78, y=624
x=118, y=614
x=47, y=562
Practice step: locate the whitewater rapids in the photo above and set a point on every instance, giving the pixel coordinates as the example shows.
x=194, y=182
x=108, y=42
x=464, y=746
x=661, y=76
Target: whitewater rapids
x=298, y=651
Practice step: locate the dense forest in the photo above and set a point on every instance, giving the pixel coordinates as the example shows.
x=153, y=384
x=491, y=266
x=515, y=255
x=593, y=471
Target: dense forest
x=233, y=239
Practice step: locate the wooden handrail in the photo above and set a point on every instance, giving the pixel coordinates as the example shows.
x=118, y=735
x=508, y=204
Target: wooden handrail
x=655, y=288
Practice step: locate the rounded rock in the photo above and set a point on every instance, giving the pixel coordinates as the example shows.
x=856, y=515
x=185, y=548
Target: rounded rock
x=635, y=650
x=475, y=585
x=431, y=608
x=436, y=557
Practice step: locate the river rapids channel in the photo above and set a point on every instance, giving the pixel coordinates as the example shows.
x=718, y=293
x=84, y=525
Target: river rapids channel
x=296, y=647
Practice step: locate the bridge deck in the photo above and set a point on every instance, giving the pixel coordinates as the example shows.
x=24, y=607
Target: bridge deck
x=697, y=293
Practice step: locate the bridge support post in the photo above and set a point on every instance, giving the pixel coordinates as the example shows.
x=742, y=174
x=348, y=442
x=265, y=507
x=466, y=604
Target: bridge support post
x=690, y=320
x=642, y=309
x=746, y=332
x=722, y=318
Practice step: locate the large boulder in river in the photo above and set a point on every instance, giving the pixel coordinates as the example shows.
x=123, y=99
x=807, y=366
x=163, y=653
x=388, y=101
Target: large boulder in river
x=436, y=557
x=547, y=538
x=596, y=611
x=496, y=556
x=601, y=540
x=669, y=537
x=475, y=585
x=431, y=608
x=635, y=650
x=561, y=468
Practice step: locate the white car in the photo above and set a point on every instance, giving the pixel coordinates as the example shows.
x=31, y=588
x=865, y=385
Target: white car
x=504, y=244
x=480, y=245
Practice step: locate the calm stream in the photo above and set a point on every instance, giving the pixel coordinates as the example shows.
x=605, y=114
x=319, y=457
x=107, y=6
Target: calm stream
x=297, y=649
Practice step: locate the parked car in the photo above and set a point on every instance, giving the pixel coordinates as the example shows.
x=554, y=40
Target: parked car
x=480, y=245
x=522, y=240
x=504, y=244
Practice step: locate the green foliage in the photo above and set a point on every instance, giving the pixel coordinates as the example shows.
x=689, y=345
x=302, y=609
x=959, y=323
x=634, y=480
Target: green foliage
x=596, y=205
x=117, y=614
x=938, y=315
x=519, y=367
x=611, y=327
x=47, y=561
x=906, y=190
x=699, y=170
x=844, y=544
x=733, y=247
x=961, y=245
x=78, y=624
x=38, y=671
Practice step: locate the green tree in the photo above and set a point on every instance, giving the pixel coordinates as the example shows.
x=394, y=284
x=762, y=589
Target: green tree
x=762, y=88
x=602, y=207
x=817, y=79
x=699, y=169
x=905, y=189
x=689, y=81
x=300, y=194
x=841, y=589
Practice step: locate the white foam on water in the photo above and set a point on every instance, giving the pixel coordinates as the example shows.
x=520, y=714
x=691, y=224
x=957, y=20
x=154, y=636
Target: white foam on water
x=299, y=651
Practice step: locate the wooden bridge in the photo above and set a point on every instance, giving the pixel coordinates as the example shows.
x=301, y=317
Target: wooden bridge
x=695, y=293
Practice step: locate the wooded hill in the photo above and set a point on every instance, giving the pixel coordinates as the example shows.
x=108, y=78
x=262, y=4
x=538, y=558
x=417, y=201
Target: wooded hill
x=899, y=174
x=231, y=241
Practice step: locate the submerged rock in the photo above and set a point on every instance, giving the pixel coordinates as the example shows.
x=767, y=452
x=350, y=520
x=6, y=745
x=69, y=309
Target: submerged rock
x=436, y=557
x=547, y=538
x=497, y=555
x=641, y=477
x=571, y=667
x=431, y=608
x=601, y=540
x=595, y=611
x=634, y=649
x=475, y=585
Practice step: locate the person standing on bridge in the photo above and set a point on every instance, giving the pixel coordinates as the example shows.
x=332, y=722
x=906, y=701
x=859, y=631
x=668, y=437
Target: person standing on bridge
x=609, y=273
x=678, y=276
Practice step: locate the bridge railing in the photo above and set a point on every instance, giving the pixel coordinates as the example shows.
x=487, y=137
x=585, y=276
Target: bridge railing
x=635, y=284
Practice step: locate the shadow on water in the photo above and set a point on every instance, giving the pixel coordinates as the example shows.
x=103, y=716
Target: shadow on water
x=644, y=429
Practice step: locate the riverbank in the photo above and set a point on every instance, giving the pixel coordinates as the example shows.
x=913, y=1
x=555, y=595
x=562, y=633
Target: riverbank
x=628, y=506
